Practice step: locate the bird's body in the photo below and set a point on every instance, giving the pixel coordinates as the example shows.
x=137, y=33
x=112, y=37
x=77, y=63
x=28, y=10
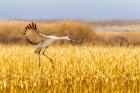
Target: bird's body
x=51, y=39
x=42, y=41
x=48, y=41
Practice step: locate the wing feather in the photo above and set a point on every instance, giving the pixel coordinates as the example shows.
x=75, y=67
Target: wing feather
x=32, y=34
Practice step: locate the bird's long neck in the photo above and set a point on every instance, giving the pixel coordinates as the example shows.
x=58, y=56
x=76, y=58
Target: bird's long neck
x=62, y=38
x=58, y=38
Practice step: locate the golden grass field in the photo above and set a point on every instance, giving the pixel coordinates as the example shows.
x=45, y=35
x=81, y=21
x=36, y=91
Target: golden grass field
x=77, y=69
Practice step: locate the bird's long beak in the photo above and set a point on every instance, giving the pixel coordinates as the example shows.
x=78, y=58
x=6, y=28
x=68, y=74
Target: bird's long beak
x=72, y=40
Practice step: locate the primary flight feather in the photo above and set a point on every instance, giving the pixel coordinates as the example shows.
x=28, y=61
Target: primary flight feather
x=32, y=34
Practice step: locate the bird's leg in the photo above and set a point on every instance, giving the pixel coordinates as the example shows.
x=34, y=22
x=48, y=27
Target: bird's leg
x=46, y=55
x=38, y=51
x=39, y=59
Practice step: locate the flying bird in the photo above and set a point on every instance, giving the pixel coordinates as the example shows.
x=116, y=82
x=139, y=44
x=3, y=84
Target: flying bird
x=42, y=41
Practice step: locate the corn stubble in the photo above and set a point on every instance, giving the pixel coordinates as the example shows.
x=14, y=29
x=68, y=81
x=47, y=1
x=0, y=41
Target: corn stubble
x=77, y=69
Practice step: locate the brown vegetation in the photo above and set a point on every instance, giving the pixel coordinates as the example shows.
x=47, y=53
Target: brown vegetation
x=125, y=34
x=12, y=31
x=77, y=31
x=120, y=38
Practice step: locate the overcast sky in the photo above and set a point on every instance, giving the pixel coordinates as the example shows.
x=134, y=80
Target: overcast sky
x=65, y=9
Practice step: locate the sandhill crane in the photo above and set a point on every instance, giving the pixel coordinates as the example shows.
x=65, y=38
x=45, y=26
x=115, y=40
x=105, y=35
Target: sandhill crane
x=42, y=41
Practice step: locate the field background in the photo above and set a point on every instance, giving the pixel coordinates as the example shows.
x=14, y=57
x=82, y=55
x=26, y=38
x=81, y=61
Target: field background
x=76, y=69
x=104, y=59
x=96, y=32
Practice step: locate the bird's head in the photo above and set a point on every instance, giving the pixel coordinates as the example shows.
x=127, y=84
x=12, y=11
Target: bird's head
x=69, y=39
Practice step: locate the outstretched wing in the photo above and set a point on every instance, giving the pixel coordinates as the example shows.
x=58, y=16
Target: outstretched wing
x=32, y=34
